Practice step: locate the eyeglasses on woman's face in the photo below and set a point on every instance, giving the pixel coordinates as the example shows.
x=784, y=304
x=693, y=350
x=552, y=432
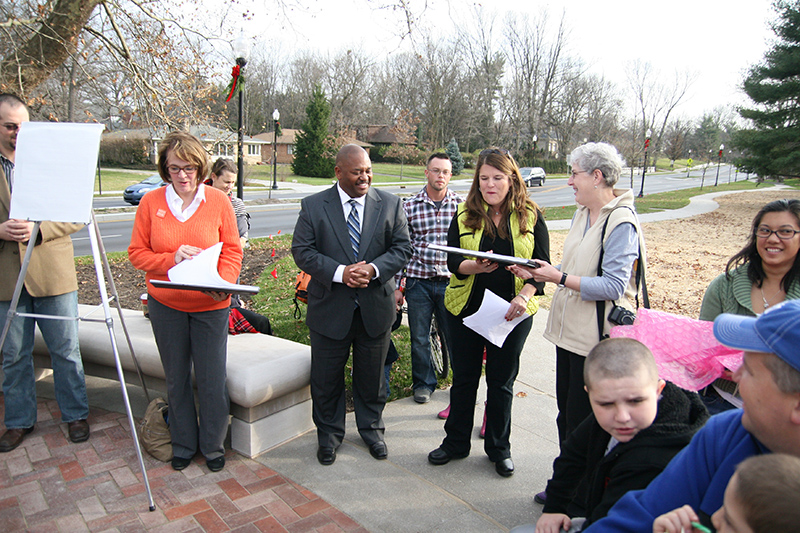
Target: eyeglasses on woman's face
x=785, y=233
x=175, y=169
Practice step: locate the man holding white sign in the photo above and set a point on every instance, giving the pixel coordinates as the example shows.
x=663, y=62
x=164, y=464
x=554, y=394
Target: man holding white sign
x=51, y=288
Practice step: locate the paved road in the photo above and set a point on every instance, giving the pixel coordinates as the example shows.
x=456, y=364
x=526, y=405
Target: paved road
x=269, y=219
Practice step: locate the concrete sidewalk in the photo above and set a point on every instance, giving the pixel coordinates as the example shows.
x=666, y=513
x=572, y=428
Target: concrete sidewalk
x=406, y=493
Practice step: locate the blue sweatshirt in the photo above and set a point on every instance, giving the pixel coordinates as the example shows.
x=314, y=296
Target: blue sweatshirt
x=697, y=476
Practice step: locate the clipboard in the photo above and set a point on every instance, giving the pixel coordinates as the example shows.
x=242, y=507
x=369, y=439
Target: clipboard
x=497, y=258
x=231, y=289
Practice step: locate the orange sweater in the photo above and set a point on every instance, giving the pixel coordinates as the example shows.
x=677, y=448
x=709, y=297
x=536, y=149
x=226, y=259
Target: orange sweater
x=157, y=234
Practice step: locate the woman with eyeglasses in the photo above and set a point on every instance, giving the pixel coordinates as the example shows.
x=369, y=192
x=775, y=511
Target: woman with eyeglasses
x=173, y=224
x=762, y=274
x=572, y=323
x=499, y=217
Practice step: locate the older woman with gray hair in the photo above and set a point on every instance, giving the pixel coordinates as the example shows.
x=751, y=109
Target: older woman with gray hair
x=607, y=214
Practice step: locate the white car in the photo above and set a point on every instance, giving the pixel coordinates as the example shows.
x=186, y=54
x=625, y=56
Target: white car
x=533, y=176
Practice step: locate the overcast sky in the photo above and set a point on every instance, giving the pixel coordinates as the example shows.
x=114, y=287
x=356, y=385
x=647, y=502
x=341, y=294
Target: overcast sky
x=716, y=39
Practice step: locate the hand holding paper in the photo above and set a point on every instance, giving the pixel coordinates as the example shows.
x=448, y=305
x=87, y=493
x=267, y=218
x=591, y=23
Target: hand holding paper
x=490, y=320
x=199, y=273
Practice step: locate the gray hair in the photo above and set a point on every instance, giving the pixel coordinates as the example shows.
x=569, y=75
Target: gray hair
x=598, y=156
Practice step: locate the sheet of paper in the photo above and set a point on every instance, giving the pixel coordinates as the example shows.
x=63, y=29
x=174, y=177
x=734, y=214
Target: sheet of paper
x=200, y=273
x=489, y=320
x=54, y=171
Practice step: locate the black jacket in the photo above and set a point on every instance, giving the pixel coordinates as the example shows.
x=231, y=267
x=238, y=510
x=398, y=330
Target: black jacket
x=588, y=483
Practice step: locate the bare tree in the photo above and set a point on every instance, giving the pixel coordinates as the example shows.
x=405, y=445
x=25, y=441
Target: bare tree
x=656, y=97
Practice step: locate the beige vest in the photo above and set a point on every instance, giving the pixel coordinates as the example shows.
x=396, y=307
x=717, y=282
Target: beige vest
x=572, y=322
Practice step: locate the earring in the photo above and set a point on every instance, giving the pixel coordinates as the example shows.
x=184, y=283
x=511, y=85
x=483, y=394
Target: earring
x=595, y=186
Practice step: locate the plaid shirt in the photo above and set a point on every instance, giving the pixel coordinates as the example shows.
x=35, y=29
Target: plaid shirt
x=427, y=225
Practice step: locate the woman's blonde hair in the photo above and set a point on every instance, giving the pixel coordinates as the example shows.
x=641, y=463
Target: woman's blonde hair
x=516, y=200
x=184, y=146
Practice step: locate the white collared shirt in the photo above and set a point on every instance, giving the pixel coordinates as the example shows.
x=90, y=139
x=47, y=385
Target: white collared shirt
x=345, y=198
x=175, y=202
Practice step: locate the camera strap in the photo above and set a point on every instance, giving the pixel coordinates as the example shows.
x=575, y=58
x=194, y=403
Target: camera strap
x=601, y=304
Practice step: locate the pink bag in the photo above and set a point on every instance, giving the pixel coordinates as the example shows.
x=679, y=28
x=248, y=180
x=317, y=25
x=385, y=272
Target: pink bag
x=685, y=349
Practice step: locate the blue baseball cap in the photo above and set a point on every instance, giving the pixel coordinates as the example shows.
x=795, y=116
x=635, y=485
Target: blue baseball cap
x=776, y=331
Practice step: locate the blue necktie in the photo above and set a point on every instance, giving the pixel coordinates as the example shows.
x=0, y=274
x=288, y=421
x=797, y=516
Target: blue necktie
x=354, y=228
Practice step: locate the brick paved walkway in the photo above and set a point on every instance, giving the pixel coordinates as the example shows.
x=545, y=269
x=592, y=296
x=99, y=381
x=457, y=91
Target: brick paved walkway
x=49, y=484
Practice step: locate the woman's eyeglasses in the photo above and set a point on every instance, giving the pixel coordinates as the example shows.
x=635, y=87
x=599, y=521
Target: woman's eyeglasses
x=175, y=170
x=763, y=232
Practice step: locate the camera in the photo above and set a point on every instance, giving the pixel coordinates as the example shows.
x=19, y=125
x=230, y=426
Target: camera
x=621, y=316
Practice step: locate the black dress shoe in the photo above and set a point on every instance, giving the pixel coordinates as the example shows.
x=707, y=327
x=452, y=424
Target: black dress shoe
x=13, y=438
x=440, y=456
x=505, y=467
x=378, y=450
x=325, y=455
x=215, y=465
x=179, y=463
x=78, y=431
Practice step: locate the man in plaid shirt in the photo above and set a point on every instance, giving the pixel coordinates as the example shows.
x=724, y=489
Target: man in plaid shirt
x=429, y=214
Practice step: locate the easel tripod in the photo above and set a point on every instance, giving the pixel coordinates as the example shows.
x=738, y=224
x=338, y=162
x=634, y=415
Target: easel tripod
x=100, y=258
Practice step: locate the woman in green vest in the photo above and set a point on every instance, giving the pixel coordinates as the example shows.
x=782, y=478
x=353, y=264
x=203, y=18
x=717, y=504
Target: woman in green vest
x=499, y=217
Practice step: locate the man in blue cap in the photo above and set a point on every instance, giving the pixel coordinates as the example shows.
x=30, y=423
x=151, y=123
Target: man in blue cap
x=769, y=383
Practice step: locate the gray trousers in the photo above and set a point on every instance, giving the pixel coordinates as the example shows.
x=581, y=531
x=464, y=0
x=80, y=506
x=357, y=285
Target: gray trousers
x=198, y=340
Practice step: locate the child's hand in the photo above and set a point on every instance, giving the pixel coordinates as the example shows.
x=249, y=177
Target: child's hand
x=677, y=521
x=553, y=523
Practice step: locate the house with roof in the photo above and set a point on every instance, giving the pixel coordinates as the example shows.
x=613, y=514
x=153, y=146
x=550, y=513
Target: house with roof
x=284, y=145
x=218, y=142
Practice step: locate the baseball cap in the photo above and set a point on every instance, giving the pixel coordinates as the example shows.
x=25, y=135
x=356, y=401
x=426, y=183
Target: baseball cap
x=776, y=331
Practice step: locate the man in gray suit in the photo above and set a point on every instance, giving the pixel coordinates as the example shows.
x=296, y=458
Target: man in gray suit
x=351, y=239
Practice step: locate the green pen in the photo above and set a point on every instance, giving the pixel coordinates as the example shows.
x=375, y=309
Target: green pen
x=700, y=527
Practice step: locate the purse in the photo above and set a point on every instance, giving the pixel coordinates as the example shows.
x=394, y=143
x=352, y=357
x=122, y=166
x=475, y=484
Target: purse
x=153, y=431
x=619, y=315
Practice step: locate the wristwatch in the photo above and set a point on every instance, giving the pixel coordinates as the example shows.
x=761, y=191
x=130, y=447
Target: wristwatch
x=563, y=281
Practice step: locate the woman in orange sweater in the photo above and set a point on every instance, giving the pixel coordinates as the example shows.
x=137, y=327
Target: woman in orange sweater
x=173, y=224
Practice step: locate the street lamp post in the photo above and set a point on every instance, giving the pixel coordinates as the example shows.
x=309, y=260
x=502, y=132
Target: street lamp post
x=276, y=116
x=719, y=162
x=242, y=50
x=644, y=169
x=535, y=138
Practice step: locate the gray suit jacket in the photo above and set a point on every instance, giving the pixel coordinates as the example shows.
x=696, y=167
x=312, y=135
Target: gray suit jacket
x=321, y=243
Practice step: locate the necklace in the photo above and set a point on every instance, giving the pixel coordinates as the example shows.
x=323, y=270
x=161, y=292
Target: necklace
x=764, y=298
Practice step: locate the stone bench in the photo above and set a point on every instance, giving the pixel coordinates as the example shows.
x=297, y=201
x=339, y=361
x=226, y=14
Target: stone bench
x=268, y=377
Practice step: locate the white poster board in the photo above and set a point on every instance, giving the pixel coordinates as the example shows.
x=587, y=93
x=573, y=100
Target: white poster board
x=54, y=170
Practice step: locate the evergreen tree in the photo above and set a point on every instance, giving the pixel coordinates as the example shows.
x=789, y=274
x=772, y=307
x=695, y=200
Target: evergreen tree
x=455, y=156
x=311, y=156
x=769, y=148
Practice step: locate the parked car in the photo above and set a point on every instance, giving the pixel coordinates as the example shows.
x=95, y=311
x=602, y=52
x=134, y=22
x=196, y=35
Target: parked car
x=533, y=176
x=133, y=194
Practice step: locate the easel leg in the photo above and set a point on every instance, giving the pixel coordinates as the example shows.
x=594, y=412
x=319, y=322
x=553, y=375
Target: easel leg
x=94, y=238
x=23, y=271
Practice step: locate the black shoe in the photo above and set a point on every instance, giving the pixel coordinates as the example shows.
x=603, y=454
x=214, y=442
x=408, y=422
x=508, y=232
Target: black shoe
x=179, y=463
x=13, y=438
x=505, y=467
x=215, y=465
x=378, y=450
x=325, y=455
x=78, y=431
x=541, y=497
x=440, y=456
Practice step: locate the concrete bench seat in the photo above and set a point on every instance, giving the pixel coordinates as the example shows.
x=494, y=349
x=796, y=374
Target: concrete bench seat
x=268, y=377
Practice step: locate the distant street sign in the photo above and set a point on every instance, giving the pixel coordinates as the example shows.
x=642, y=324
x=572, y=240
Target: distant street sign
x=689, y=161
